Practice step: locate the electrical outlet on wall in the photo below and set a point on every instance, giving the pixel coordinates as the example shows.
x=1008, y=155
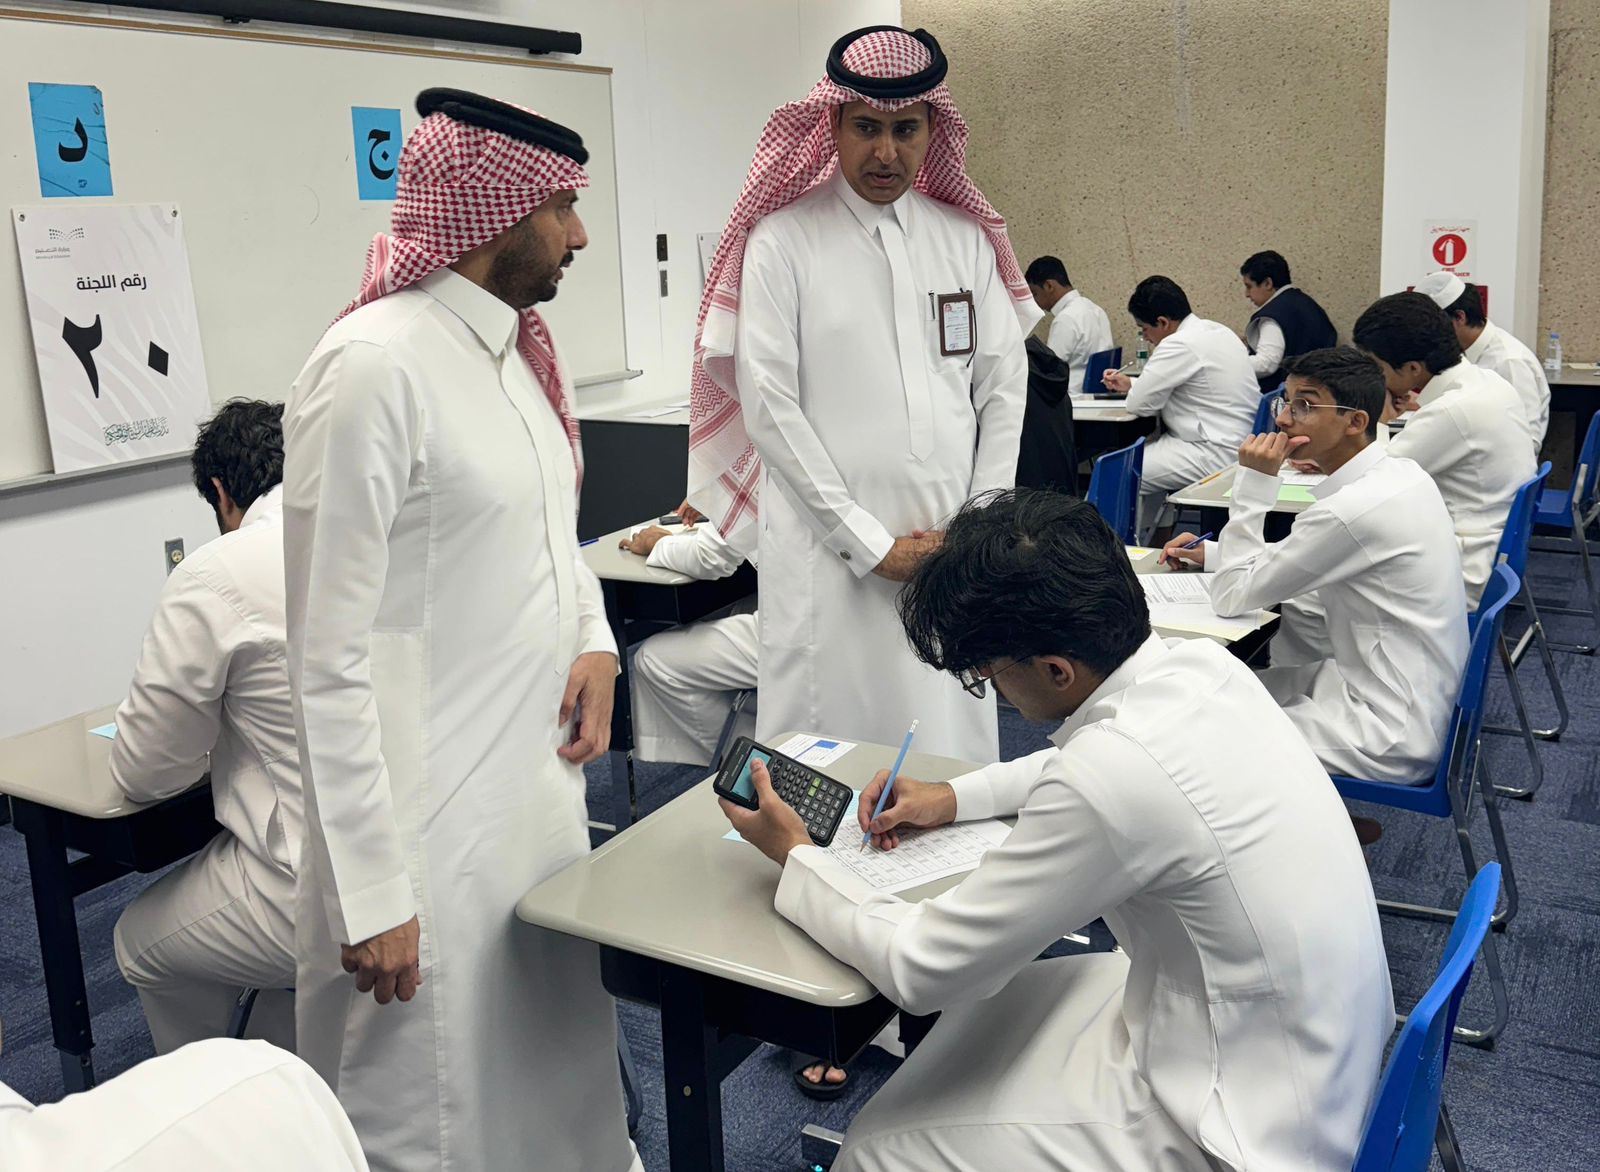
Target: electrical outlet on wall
x=174, y=553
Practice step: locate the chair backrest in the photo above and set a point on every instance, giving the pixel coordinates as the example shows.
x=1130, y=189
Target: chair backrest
x=1265, y=423
x=1466, y=722
x=1099, y=363
x=1585, y=482
x=1514, y=538
x=1400, y=1127
x=1114, y=488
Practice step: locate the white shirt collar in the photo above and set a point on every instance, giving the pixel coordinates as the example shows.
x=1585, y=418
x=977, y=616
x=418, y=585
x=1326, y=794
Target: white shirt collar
x=868, y=214
x=1119, y=681
x=1351, y=470
x=492, y=320
x=1275, y=293
x=1063, y=301
x=265, y=507
x=1443, y=382
x=1475, y=351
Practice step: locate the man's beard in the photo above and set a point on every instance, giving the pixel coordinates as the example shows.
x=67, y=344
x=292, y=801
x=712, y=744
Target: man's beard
x=521, y=281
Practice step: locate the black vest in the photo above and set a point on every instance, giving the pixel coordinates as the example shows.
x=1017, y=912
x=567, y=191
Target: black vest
x=1305, y=327
x=1047, y=456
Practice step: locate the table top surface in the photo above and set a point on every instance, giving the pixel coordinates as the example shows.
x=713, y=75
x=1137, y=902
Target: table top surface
x=611, y=563
x=1087, y=410
x=669, y=413
x=1213, y=493
x=67, y=767
x=1143, y=558
x=1571, y=376
x=673, y=888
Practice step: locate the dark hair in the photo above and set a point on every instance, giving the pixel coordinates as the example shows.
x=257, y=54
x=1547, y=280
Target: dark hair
x=1158, y=297
x=1047, y=268
x=1349, y=376
x=1469, y=303
x=1023, y=573
x=1262, y=265
x=1408, y=327
x=242, y=446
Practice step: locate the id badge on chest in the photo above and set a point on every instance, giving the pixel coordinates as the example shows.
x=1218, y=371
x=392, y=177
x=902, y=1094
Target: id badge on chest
x=957, y=323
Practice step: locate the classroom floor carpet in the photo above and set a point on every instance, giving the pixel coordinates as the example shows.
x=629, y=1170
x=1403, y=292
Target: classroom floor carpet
x=1530, y=1105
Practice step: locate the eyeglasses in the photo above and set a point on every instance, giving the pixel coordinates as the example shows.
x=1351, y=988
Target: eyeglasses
x=976, y=683
x=1300, y=409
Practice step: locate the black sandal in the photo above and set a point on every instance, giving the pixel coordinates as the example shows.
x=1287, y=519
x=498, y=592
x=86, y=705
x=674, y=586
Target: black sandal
x=822, y=1090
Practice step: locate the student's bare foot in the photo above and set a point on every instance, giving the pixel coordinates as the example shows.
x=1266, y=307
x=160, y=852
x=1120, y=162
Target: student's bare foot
x=821, y=1081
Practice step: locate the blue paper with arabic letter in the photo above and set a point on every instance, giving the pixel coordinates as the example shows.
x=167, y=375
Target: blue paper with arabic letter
x=69, y=139
x=377, y=154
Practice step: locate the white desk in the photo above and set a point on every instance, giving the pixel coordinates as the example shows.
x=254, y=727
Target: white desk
x=1089, y=410
x=685, y=922
x=1214, y=492
x=1245, y=643
x=63, y=798
x=641, y=600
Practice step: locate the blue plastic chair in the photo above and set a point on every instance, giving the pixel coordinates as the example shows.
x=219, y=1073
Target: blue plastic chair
x=1099, y=363
x=1266, y=423
x=1408, y=1119
x=1574, y=510
x=1513, y=552
x=1114, y=488
x=1449, y=793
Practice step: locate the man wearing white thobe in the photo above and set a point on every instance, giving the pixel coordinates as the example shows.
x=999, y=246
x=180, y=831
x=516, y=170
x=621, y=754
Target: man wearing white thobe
x=452, y=669
x=1376, y=551
x=220, y=1105
x=686, y=680
x=1198, y=381
x=1456, y=416
x=1487, y=345
x=881, y=377
x=212, y=680
x=1243, y=1024
x=1078, y=327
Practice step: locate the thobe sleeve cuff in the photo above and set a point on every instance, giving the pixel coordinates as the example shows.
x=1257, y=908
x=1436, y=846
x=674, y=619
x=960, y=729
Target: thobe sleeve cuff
x=1211, y=548
x=595, y=635
x=975, y=797
x=860, y=541
x=366, y=913
x=806, y=865
x=1255, y=487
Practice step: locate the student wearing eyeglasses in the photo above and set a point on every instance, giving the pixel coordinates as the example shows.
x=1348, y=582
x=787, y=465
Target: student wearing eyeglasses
x=1378, y=553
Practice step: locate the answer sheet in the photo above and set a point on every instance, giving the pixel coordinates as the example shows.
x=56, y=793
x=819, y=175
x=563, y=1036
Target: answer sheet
x=921, y=857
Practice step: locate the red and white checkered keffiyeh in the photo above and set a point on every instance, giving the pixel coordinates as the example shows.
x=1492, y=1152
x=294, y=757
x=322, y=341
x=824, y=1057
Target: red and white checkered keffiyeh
x=461, y=186
x=795, y=153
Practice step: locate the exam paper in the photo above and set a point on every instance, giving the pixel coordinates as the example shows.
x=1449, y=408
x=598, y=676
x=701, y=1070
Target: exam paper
x=921, y=857
x=1304, y=479
x=817, y=752
x=1184, y=588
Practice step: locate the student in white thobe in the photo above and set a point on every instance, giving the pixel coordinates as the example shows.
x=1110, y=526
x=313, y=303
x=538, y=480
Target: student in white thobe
x=1244, y=1022
x=444, y=635
x=1078, y=327
x=860, y=372
x=1198, y=381
x=1378, y=554
x=1487, y=345
x=220, y=1105
x=1455, y=426
x=685, y=680
x=212, y=680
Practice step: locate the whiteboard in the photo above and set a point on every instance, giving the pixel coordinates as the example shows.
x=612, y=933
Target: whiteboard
x=250, y=134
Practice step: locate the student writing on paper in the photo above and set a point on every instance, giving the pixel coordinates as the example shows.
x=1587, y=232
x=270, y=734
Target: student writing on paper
x=1243, y=1025
x=1375, y=555
x=685, y=679
x=1198, y=380
x=211, y=680
x=1078, y=327
x=1457, y=426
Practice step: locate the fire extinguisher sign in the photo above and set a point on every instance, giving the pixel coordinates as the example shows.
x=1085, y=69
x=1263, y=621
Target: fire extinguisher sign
x=1451, y=245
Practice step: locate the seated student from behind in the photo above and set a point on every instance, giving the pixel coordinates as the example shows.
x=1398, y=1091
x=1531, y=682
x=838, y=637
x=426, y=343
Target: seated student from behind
x=1243, y=1025
x=1378, y=552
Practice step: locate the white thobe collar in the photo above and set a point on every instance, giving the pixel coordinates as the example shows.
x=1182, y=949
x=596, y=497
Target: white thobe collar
x=493, y=321
x=1445, y=381
x=1105, y=696
x=1474, y=352
x=1350, y=471
x=265, y=507
x=868, y=214
x=1063, y=301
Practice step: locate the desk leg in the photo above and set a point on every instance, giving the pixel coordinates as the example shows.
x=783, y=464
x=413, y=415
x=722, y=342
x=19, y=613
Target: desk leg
x=694, y=1090
x=624, y=801
x=59, y=948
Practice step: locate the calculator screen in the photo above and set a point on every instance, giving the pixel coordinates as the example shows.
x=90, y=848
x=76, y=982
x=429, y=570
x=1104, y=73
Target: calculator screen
x=744, y=786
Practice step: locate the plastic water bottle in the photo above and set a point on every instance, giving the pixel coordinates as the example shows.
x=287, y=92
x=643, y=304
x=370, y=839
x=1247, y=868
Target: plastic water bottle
x=1140, y=357
x=1552, y=353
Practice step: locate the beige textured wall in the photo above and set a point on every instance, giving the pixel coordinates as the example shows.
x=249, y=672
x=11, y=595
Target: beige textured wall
x=1179, y=136
x=1569, y=277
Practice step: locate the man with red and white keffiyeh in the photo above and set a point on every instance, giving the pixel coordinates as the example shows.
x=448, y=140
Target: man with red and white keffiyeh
x=452, y=670
x=859, y=374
